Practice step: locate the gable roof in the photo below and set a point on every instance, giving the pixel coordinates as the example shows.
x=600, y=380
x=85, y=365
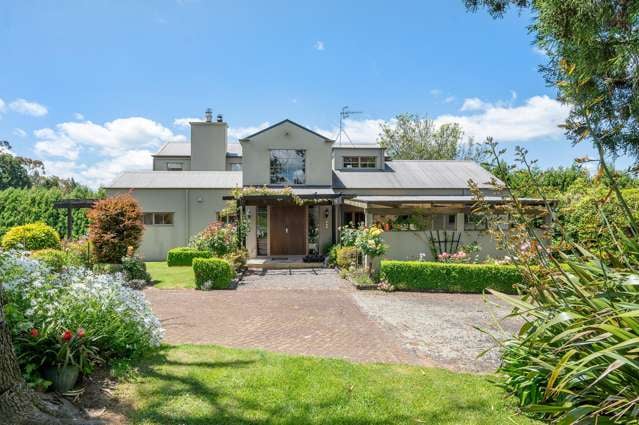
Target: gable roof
x=248, y=138
x=415, y=175
x=175, y=149
x=177, y=180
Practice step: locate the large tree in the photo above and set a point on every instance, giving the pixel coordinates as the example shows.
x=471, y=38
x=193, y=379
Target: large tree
x=593, y=61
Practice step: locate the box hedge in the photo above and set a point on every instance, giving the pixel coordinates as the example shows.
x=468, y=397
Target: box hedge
x=450, y=277
x=212, y=273
x=184, y=256
x=32, y=237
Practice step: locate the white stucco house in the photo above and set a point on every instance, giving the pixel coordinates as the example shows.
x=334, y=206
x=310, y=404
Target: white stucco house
x=413, y=200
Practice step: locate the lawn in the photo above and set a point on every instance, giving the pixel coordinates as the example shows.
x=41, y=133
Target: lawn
x=166, y=277
x=203, y=384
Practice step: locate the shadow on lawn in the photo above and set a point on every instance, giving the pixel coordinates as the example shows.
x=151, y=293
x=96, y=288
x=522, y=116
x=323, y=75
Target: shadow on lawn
x=164, y=379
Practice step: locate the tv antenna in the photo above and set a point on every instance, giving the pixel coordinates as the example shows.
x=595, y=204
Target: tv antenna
x=344, y=114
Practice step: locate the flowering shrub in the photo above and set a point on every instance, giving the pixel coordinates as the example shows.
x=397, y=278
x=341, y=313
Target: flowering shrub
x=348, y=235
x=369, y=241
x=96, y=316
x=31, y=236
x=115, y=225
x=217, y=238
x=457, y=257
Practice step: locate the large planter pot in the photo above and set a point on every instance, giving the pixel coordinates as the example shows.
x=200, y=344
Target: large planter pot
x=63, y=378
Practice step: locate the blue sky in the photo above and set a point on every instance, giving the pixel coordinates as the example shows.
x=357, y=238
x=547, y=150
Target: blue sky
x=92, y=87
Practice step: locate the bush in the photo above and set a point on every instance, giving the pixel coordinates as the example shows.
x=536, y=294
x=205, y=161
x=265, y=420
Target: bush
x=237, y=259
x=346, y=257
x=57, y=259
x=183, y=256
x=212, y=273
x=217, y=238
x=31, y=237
x=40, y=306
x=82, y=250
x=115, y=225
x=450, y=277
x=332, y=255
x=135, y=269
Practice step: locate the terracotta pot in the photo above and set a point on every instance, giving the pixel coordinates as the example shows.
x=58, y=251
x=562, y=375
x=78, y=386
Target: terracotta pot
x=63, y=378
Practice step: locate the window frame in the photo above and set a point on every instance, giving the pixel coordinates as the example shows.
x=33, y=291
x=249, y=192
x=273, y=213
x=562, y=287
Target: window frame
x=168, y=166
x=287, y=171
x=154, y=221
x=359, y=162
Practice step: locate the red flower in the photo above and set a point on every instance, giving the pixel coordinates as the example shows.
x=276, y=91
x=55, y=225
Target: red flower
x=67, y=335
x=34, y=332
x=80, y=332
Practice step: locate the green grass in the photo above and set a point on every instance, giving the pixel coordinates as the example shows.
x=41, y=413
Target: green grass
x=203, y=384
x=166, y=277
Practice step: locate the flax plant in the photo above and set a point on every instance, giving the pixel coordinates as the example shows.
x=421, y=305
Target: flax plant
x=576, y=357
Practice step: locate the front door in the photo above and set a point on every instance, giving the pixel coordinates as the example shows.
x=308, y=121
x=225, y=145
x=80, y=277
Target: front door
x=287, y=227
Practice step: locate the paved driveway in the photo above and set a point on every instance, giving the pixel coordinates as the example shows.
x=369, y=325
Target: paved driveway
x=314, y=312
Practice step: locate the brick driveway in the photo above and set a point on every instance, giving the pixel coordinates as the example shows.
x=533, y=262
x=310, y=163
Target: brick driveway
x=316, y=313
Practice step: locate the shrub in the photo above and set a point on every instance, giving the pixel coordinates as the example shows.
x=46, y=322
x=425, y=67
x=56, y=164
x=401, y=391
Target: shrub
x=450, y=277
x=183, y=256
x=31, y=237
x=332, y=255
x=40, y=306
x=107, y=268
x=57, y=259
x=237, y=259
x=134, y=268
x=115, y=225
x=346, y=257
x=217, y=237
x=212, y=273
x=82, y=250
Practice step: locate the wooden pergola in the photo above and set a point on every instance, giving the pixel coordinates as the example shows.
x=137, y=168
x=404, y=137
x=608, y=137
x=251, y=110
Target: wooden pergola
x=70, y=205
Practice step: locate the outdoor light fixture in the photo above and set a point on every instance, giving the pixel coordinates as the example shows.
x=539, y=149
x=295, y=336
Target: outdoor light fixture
x=326, y=212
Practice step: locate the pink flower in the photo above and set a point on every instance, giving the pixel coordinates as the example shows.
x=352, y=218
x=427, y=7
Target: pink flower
x=80, y=332
x=67, y=335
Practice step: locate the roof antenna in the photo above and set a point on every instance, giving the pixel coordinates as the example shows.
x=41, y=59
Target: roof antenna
x=344, y=114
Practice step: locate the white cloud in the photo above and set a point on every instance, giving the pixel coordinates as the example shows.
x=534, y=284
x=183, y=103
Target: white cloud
x=184, y=122
x=56, y=144
x=78, y=116
x=449, y=99
x=26, y=107
x=539, y=51
x=319, y=45
x=538, y=117
x=3, y=106
x=474, y=104
x=236, y=133
x=19, y=132
x=358, y=131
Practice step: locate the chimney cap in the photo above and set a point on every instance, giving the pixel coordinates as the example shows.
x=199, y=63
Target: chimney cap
x=208, y=115
x=220, y=118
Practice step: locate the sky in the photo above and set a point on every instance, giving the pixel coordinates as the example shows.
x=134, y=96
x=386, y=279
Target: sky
x=93, y=88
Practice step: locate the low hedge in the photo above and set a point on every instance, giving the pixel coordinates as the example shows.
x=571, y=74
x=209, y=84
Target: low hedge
x=212, y=273
x=32, y=237
x=450, y=277
x=183, y=256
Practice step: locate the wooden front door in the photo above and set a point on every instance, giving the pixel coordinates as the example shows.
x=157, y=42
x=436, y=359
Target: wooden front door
x=287, y=228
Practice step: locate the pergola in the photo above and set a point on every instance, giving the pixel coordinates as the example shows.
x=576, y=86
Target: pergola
x=70, y=205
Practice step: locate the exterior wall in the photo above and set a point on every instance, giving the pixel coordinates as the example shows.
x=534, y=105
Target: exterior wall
x=160, y=163
x=256, y=156
x=339, y=154
x=192, y=210
x=230, y=160
x=208, y=146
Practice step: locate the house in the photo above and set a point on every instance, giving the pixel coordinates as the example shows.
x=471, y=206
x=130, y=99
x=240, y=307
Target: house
x=419, y=203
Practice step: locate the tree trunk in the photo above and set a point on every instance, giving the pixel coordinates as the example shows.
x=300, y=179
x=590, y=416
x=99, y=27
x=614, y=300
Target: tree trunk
x=19, y=404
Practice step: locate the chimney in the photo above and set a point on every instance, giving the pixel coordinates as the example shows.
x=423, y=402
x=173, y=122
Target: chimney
x=209, y=143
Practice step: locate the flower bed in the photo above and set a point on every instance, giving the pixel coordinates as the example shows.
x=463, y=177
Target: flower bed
x=450, y=277
x=72, y=318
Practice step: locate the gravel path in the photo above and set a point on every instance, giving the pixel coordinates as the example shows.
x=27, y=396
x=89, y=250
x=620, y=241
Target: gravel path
x=441, y=327
x=315, y=279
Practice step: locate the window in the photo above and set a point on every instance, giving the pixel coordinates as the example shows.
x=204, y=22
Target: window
x=474, y=222
x=236, y=166
x=354, y=218
x=359, y=162
x=313, y=229
x=174, y=166
x=157, y=218
x=261, y=224
x=288, y=166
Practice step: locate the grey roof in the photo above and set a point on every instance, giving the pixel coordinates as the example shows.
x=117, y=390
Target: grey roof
x=177, y=180
x=405, y=199
x=313, y=191
x=358, y=146
x=248, y=138
x=415, y=175
x=172, y=149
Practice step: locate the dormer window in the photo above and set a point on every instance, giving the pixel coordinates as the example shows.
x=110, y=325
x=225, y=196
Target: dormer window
x=359, y=162
x=288, y=166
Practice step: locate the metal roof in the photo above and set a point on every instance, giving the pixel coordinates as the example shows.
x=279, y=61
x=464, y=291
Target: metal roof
x=177, y=180
x=401, y=199
x=184, y=149
x=358, y=146
x=415, y=175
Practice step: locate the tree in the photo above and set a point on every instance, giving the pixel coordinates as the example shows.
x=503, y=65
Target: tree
x=115, y=225
x=413, y=137
x=12, y=171
x=593, y=61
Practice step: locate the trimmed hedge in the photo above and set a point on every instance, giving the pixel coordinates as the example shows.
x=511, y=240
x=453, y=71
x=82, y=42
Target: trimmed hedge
x=33, y=236
x=450, y=277
x=183, y=256
x=212, y=273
